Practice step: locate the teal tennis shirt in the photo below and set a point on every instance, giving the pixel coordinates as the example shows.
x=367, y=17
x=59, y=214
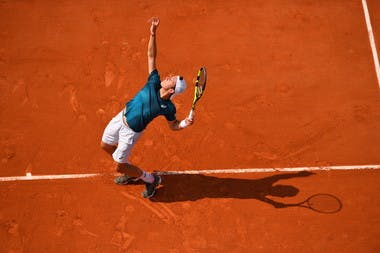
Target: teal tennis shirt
x=147, y=105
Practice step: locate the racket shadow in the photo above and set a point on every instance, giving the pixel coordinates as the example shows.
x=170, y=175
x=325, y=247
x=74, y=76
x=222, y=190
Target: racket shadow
x=176, y=188
x=321, y=202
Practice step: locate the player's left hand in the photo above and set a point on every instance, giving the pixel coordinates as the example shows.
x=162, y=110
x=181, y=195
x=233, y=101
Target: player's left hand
x=155, y=21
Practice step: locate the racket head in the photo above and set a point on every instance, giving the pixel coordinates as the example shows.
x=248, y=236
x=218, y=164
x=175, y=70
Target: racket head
x=201, y=81
x=200, y=85
x=324, y=203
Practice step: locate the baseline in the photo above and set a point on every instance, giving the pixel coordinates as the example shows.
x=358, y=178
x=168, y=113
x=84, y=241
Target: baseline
x=29, y=175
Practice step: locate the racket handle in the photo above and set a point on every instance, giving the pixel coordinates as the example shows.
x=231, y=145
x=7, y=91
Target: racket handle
x=191, y=114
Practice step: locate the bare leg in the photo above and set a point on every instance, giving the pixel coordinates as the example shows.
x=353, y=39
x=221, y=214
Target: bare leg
x=129, y=169
x=124, y=168
x=108, y=148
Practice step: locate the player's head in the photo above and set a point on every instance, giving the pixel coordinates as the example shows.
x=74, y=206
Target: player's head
x=174, y=85
x=180, y=85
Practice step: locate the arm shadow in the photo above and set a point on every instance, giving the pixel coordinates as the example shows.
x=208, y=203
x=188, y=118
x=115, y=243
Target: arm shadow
x=186, y=187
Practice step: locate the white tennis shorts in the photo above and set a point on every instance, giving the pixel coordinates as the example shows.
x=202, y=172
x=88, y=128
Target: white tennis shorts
x=117, y=133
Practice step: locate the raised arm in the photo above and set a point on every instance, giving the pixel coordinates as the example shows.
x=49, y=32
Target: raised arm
x=152, y=48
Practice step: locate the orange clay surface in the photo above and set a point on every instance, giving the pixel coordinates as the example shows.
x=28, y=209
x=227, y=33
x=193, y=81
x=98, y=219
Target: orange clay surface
x=291, y=83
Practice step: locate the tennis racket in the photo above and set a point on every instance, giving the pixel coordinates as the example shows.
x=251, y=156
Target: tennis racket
x=321, y=203
x=200, y=85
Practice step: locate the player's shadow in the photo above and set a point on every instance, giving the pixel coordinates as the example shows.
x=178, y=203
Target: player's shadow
x=194, y=187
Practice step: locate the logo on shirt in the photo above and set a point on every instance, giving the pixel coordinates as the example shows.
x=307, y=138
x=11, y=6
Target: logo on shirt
x=164, y=106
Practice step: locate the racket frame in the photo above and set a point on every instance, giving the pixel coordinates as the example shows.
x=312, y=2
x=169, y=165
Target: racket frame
x=308, y=203
x=198, y=92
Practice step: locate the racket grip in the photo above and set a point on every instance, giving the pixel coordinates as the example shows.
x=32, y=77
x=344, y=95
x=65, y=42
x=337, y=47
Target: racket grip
x=191, y=114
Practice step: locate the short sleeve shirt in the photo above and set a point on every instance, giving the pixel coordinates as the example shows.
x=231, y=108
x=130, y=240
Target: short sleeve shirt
x=147, y=105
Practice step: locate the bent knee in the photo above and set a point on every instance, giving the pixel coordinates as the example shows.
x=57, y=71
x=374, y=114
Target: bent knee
x=107, y=147
x=104, y=145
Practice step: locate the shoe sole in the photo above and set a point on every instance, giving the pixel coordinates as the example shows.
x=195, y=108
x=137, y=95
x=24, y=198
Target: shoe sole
x=129, y=181
x=159, y=181
x=154, y=191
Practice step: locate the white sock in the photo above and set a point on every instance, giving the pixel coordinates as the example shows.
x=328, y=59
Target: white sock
x=147, y=177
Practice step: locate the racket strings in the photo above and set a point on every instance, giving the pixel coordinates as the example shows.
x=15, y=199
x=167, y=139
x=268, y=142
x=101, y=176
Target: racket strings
x=201, y=82
x=324, y=203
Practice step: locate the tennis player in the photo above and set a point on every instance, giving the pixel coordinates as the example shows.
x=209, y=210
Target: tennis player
x=153, y=100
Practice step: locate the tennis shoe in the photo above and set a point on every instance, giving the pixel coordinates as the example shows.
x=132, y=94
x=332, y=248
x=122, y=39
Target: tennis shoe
x=125, y=179
x=150, y=188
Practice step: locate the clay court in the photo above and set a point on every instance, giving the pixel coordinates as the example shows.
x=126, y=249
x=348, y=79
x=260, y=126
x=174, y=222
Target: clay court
x=291, y=84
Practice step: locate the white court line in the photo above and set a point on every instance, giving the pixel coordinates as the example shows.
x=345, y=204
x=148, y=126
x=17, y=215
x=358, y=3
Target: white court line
x=47, y=177
x=372, y=40
x=29, y=176
x=261, y=170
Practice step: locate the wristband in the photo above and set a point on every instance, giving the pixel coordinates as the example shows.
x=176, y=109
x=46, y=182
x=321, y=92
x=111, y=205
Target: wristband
x=183, y=124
